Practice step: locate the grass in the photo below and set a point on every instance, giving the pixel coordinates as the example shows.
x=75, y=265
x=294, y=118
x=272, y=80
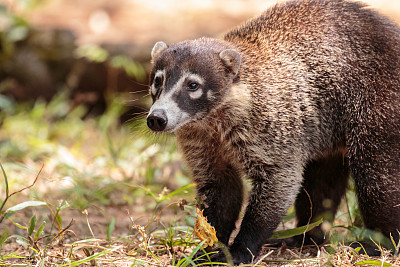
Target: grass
x=92, y=165
x=96, y=193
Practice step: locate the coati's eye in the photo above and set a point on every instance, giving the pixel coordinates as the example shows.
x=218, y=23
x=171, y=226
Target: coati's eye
x=193, y=86
x=157, y=81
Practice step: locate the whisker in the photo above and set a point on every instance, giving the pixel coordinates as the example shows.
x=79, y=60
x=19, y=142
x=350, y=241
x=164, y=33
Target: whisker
x=140, y=91
x=137, y=117
x=133, y=100
x=136, y=82
x=138, y=114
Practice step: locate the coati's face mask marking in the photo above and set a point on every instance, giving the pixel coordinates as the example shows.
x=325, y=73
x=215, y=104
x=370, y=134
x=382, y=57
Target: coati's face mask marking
x=187, y=82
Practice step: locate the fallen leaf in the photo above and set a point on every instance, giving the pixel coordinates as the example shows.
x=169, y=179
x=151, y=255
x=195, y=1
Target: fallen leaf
x=204, y=230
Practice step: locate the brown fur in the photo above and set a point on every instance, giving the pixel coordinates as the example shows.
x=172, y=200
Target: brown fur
x=316, y=79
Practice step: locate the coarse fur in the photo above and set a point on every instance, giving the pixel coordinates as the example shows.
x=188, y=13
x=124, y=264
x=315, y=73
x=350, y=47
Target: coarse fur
x=295, y=100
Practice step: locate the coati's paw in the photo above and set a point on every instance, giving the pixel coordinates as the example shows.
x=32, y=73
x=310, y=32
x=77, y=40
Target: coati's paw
x=217, y=255
x=222, y=258
x=209, y=255
x=240, y=254
x=296, y=241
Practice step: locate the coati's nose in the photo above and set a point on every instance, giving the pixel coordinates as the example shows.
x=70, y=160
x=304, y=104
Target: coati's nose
x=157, y=120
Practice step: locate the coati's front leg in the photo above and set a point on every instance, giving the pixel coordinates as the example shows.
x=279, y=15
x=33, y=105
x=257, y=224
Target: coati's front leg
x=219, y=185
x=274, y=191
x=221, y=191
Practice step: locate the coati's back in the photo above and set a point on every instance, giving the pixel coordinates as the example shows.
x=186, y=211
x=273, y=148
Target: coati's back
x=345, y=33
x=341, y=51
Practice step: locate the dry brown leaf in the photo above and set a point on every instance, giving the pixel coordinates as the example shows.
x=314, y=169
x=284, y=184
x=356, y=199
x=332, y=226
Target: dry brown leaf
x=204, y=230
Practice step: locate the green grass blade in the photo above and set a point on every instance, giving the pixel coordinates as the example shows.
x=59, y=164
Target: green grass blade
x=13, y=255
x=18, y=225
x=8, y=215
x=5, y=178
x=90, y=258
x=373, y=263
x=7, y=192
x=58, y=219
x=395, y=246
x=3, y=238
x=32, y=225
x=39, y=231
x=26, y=204
x=64, y=204
x=188, y=259
x=295, y=231
x=110, y=229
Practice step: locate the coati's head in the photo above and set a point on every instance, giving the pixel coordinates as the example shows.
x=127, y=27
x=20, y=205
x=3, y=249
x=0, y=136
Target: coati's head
x=188, y=80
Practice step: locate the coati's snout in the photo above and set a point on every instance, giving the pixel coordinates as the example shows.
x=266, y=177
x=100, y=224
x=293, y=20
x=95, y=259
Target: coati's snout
x=157, y=120
x=188, y=80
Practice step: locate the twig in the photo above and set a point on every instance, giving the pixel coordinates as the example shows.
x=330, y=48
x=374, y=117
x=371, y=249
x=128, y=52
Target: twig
x=263, y=257
x=16, y=192
x=252, y=255
x=308, y=223
x=37, y=177
x=65, y=229
x=87, y=219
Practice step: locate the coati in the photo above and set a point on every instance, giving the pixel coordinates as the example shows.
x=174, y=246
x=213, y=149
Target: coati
x=295, y=100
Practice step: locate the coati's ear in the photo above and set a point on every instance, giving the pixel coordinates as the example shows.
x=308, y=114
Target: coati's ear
x=231, y=59
x=157, y=49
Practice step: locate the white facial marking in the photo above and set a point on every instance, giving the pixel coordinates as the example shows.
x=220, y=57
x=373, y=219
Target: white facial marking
x=153, y=90
x=196, y=94
x=165, y=102
x=160, y=74
x=199, y=80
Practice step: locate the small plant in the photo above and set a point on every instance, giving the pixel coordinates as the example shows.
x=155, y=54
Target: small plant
x=10, y=211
